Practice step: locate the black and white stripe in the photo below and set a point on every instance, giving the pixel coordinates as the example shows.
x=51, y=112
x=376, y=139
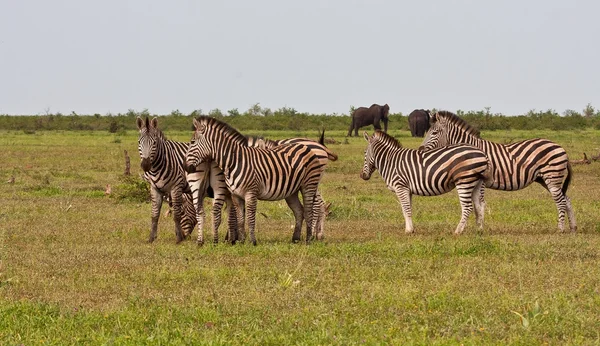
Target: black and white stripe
x=253, y=173
x=162, y=163
x=409, y=172
x=514, y=166
x=324, y=155
x=207, y=180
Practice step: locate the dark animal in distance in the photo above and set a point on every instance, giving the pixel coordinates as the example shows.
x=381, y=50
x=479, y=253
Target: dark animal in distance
x=418, y=122
x=363, y=116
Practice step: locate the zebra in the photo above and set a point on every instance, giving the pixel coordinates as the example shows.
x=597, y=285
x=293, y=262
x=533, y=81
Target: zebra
x=208, y=179
x=162, y=163
x=325, y=155
x=514, y=166
x=409, y=172
x=253, y=173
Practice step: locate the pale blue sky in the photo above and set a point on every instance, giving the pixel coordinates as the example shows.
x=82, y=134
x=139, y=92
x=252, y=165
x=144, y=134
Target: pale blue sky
x=316, y=56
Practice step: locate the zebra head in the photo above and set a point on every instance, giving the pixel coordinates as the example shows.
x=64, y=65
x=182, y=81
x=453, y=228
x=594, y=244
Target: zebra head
x=198, y=150
x=446, y=129
x=150, y=137
x=369, y=164
x=436, y=136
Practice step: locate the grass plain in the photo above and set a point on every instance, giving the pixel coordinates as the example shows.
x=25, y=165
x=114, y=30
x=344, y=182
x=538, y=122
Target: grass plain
x=75, y=267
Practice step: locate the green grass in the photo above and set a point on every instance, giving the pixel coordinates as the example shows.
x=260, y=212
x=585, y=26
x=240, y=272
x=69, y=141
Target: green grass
x=75, y=267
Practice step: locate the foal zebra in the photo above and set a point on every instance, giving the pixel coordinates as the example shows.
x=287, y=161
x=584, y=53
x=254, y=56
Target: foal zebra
x=513, y=166
x=407, y=172
x=255, y=173
x=162, y=163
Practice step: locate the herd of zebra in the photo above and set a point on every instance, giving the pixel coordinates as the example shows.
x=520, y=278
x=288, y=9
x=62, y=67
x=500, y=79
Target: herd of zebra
x=237, y=171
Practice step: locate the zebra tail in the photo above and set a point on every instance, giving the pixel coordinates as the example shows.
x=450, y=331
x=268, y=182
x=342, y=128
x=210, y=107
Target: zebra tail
x=567, y=179
x=330, y=154
x=322, y=138
x=488, y=177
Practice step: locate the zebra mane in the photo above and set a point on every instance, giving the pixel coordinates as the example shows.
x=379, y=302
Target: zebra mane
x=158, y=133
x=152, y=130
x=456, y=121
x=225, y=128
x=387, y=139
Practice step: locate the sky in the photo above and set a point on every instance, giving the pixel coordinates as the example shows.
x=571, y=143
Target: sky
x=317, y=56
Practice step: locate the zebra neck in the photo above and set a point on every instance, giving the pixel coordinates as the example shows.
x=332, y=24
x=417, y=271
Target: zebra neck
x=164, y=148
x=227, y=156
x=386, y=159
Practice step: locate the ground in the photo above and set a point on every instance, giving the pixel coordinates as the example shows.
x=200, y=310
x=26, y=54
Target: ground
x=76, y=269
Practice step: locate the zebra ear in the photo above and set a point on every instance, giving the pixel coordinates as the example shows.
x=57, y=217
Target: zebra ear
x=196, y=124
x=140, y=123
x=433, y=118
x=366, y=135
x=154, y=122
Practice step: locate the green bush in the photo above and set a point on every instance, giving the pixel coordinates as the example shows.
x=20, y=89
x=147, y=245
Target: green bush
x=258, y=118
x=132, y=188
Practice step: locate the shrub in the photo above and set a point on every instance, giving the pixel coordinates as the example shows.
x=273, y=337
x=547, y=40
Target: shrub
x=132, y=188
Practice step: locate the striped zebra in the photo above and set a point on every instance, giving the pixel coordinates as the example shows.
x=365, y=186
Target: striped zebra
x=324, y=155
x=253, y=173
x=208, y=179
x=409, y=172
x=162, y=163
x=514, y=166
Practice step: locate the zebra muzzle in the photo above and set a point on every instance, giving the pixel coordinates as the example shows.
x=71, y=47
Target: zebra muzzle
x=189, y=168
x=146, y=164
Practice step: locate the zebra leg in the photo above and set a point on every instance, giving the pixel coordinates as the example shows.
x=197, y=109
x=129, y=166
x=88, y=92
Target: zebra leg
x=465, y=193
x=176, y=198
x=239, y=206
x=294, y=203
x=308, y=198
x=217, y=206
x=479, y=202
x=561, y=204
x=405, y=199
x=251, y=203
x=200, y=215
x=320, y=211
x=571, y=215
x=157, y=199
x=232, y=221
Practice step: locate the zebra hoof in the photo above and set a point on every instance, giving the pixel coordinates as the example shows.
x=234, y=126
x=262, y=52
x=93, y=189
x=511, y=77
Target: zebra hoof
x=254, y=242
x=200, y=243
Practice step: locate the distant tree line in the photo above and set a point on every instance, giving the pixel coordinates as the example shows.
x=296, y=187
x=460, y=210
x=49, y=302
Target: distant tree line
x=258, y=118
